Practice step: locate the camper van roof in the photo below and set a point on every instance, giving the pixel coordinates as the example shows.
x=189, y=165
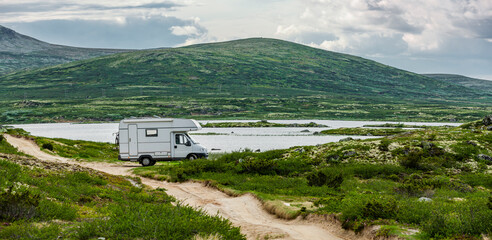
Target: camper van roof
x=139, y=120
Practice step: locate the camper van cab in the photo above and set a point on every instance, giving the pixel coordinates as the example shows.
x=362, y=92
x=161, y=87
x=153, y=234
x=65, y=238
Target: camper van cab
x=154, y=139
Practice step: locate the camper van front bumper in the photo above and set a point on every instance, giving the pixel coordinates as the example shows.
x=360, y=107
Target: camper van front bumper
x=202, y=155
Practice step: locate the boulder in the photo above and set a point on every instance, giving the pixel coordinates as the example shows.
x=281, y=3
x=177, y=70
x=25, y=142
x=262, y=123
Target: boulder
x=345, y=139
x=485, y=157
x=487, y=120
x=425, y=199
x=349, y=153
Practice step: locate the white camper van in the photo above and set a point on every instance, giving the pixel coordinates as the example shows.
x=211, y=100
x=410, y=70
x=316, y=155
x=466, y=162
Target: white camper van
x=153, y=139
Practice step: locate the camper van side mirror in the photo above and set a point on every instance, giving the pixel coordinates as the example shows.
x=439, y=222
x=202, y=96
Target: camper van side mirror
x=188, y=143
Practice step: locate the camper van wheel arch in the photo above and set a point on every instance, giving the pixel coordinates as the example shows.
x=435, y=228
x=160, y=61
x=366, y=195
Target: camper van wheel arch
x=191, y=156
x=146, y=161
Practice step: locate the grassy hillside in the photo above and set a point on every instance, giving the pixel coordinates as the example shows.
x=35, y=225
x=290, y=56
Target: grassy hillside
x=46, y=200
x=258, y=77
x=473, y=83
x=20, y=52
x=436, y=180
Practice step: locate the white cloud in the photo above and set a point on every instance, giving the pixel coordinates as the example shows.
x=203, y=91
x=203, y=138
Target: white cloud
x=184, y=30
x=417, y=29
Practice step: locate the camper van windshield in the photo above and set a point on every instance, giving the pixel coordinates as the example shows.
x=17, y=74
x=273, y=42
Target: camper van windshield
x=191, y=139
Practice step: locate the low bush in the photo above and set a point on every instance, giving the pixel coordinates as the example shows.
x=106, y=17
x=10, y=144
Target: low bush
x=317, y=178
x=48, y=146
x=262, y=166
x=146, y=221
x=31, y=231
x=471, y=218
x=328, y=178
x=17, y=203
x=384, y=144
x=380, y=209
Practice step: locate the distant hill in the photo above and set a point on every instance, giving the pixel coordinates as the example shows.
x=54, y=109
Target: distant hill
x=474, y=83
x=257, y=77
x=261, y=63
x=18, y=52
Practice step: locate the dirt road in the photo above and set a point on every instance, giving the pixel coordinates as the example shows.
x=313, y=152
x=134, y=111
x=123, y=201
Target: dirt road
x=244, y=211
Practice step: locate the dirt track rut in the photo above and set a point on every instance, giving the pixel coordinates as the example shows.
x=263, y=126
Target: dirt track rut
x=244, y=211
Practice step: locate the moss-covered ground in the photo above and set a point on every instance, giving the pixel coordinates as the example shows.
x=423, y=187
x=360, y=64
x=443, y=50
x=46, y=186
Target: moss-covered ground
x=46, y=200
x=437, y=180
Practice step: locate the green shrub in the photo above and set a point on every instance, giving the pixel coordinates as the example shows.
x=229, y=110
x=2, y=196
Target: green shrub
x=157, y=221
x=262, y=166
x=292, y=167
x=464, y=151
x=470, y=218
x=31, y=231
x=17, y=203
x=383, y=146
x=48, y=210
x=380, y=209
x=1, y=137
x=48, y=146
x=412, y=159
x=477, y=179
x=316, y=178
x=320, y=178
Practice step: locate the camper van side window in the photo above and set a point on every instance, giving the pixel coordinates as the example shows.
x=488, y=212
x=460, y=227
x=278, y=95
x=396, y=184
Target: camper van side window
x=180, y=139
x=151, y=132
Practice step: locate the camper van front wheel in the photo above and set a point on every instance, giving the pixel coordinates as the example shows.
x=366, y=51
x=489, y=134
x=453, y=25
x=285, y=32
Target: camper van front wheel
x=192, y=157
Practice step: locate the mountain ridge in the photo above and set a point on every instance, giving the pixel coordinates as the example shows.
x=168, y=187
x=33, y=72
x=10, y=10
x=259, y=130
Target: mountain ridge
x=256, y=77
x=474, y=83
x=21, y=52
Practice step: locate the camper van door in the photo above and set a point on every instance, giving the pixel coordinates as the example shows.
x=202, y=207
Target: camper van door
x=181, y=145
x=132, y=140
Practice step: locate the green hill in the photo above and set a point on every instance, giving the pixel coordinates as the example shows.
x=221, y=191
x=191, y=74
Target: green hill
x=261, y=78
x=20, y=52
x=473, y=83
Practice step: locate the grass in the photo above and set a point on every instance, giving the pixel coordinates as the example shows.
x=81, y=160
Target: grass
x=41, y=200
x=430, y=179
x=79, y=149
x=395, y=125
x=365, y=131
x=262, y=123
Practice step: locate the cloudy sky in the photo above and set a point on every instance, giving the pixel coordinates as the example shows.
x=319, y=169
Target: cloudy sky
x=423, y=36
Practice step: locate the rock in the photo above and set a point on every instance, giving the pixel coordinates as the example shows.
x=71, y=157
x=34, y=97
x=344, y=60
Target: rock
x=316, y=133
x=345, y=139
x=487, y=120
x=304, y=131
x=427, y=145
x=350, y=153
x=485, y=157
x=299, y=150
x=489, y=128
x=471, y=143
x=258, y=150
x=425, y=199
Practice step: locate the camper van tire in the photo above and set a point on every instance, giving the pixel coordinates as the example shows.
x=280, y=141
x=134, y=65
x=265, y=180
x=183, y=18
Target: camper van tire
x=191, y=157
x=147, y=161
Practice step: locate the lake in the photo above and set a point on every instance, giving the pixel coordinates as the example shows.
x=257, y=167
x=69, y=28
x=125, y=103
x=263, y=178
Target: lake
x=226, y=139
